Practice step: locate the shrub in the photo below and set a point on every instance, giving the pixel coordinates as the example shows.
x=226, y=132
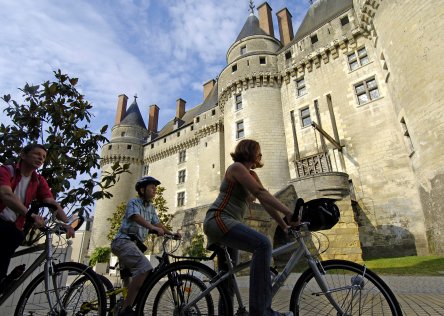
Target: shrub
x=100, y=254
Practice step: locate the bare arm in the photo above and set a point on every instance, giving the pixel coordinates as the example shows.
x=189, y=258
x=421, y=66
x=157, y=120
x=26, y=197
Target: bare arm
x=144, y=223
x=12, y=201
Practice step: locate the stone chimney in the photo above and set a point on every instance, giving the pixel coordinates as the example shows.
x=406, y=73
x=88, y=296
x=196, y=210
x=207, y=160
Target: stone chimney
x=265, y=18
x=208, y=86
x=121, y=108
x=153, y=119
x=285, y=26
x=180, y=108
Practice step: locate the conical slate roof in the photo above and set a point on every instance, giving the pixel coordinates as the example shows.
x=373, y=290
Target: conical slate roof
x=251, y=27
x=321, y=12
x=133, y=116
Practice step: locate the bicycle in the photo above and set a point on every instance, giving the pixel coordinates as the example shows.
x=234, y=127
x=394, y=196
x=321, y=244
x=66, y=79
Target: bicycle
x=50, y=292
x=112, y=293
x=332, y=287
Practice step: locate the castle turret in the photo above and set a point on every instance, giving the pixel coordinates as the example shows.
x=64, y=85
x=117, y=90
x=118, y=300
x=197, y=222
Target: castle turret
x=249, y=90
x=126, y=147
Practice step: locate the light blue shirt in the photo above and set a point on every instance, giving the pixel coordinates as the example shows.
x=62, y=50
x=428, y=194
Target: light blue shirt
x=129, y=226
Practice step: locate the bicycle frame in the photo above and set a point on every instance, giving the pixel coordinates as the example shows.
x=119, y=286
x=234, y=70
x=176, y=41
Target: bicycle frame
x=298, y=248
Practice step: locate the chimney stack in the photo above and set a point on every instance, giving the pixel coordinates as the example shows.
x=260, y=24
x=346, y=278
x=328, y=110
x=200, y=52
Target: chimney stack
x=121, y=108
x=180, y=108
x=265, y=18
x=153, y=119
x=208, y=86
x=285, y=26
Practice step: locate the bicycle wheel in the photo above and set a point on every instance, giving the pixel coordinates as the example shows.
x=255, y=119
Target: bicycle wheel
x=86, y=298
x=357, y=290
x=168, y=290
x=181, y=290
x=83, y=284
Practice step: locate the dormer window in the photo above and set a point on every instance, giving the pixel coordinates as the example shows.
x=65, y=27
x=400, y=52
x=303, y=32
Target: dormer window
x=288, y=55
x=314, y=39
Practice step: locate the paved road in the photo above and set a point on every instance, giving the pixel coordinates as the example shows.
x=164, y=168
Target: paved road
x=417, y=295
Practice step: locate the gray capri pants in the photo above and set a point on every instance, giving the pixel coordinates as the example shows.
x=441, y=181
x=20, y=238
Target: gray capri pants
x=130, y=256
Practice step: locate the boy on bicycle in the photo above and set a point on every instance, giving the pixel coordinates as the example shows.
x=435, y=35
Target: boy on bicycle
x=20, y=184
x=140, y=218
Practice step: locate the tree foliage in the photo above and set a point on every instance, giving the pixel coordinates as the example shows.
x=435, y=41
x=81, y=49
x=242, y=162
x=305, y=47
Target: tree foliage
x=116, y=221
x=197, y=246
x=56, y=115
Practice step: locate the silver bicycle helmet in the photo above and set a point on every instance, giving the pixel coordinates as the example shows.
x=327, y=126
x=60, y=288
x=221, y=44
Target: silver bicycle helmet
x=144, y=181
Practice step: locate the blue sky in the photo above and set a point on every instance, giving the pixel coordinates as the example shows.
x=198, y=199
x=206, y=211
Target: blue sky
x=160, y=50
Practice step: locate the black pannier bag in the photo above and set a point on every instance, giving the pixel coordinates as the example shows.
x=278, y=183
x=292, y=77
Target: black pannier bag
x=320, y=213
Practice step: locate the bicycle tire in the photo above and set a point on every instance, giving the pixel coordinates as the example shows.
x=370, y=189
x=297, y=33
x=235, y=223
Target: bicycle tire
x=187, y=287
x=358, y=290
x=108, y=286
x=34, y=299
x=195, y=269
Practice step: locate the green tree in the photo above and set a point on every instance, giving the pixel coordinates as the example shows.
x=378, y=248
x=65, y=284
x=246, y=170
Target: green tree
x=197, y=246
x=160, y=204
x=116, y=221
x=58, y=116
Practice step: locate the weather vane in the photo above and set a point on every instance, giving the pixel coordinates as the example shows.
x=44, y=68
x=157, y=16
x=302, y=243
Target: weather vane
x=251, y=6
x=135, y=97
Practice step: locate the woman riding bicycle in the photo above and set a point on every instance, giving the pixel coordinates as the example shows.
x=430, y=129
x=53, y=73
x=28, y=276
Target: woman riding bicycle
x=224, y=225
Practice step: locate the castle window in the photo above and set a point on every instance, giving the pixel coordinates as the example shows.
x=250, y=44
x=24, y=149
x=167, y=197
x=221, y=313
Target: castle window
x=357, y=58
x=366, y=91
x=213, y=112
x=180, y=198
x=110, y=147
x=288, y=55
x=178, y=134
x=344, y=20
x=240, y=132
x=197, y=119
x=146, y=169
x=122, y=134
x=164, y=140
x=300, y=87
x=128, y=147
x=234, y=68
x=152, y=145
x=181, y=176
x=243, y=50
x=192, y=128
x=314, y=39
x=305, y=116
x=182, y=156
x=262, y=60
x=238, y=98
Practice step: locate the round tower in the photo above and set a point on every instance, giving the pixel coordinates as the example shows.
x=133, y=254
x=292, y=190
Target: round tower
x=125, y=147
x=250, y=97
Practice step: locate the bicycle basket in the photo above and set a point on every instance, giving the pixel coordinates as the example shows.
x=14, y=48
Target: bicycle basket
x=320, y=213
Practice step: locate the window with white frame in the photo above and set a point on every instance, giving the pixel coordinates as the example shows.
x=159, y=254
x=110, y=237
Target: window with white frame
x=240, y=132
x=300, y=87
x=181, y=176
x=182, y=156
x=180, y=198
x=366, y=90
x=305, y=116
x=358, y=58
x=146, y=169
x=238, y=99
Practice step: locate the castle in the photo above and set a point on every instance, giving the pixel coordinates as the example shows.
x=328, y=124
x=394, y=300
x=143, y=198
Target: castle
x=349, y=106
